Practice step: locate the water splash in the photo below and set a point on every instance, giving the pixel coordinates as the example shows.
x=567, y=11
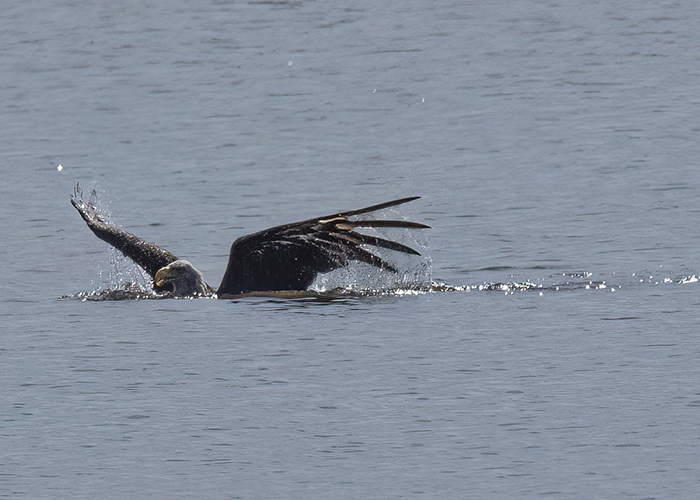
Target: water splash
x=360, y=279
x=122, y=279
x=126, y=291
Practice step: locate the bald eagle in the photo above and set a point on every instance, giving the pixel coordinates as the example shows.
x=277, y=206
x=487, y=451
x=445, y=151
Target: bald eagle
x=282, y=258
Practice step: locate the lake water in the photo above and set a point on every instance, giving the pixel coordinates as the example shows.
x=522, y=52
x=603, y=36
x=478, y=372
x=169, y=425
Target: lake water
x=555, y=146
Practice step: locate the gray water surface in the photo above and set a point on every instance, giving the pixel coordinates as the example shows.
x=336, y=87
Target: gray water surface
x=555, y=146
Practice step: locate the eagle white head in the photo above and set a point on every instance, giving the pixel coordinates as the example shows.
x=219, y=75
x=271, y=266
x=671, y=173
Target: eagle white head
x=181, y=279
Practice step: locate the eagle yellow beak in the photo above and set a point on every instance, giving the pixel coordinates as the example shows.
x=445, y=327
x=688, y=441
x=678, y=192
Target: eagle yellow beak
x=162, y=276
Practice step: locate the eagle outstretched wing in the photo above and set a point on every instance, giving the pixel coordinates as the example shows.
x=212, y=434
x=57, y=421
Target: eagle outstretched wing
x=289, y=257
x=149, y=256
